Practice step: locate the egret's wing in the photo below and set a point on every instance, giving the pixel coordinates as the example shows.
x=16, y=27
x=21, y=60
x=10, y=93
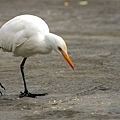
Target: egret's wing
x=12, y=35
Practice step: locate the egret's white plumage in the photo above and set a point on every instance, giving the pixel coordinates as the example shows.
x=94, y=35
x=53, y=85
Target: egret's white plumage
x=22, y=35
x=27, y=35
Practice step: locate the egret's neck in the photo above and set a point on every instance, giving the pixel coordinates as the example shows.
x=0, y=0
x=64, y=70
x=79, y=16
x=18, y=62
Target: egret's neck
x=46, y=44
x=50, y=40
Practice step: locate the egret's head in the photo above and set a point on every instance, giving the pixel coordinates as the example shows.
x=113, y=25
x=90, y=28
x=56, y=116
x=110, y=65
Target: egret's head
x=59, y=46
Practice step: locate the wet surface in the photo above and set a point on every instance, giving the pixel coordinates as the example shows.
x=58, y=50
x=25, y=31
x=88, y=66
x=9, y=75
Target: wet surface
x=92, y=90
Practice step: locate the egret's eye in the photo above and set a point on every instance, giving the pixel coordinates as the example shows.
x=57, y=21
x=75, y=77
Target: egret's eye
x=59, y=48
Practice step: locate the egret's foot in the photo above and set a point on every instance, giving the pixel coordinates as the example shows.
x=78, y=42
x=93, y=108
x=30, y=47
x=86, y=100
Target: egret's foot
x=27, y=94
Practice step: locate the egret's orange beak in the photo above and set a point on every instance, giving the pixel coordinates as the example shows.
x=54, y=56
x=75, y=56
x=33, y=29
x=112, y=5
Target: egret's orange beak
x=67, y=58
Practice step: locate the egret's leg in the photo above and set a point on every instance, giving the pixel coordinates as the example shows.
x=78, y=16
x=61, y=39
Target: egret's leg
x=26, y=93
x=22, y=72
x=2, y=87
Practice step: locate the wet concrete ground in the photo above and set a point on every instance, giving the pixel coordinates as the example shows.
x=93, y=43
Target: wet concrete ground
x=92, y=90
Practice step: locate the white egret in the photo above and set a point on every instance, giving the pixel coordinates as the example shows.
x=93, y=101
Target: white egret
x=27, y=35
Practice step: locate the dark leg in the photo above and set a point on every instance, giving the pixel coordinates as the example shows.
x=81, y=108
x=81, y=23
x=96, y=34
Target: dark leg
x=26, y=93
x=2, y=87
